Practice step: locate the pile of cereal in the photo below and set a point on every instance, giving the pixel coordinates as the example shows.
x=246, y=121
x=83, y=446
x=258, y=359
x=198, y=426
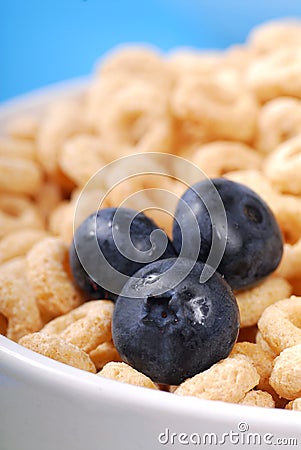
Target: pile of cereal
x=235, y=114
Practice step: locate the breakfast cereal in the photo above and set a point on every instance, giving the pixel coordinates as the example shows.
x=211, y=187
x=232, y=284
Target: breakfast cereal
x=279, y=324
x=258, y=398
x=58, y=349
x=17, y=301
x=18, y=243
x=234, y=114
x=126, y=374
x=19, y=176
x=294, y=405
x=103, y=354
x=278, y=121
x=286, y=374
x=86, y=326
x=254, y=301
x=47, y=270
x=239, y=376
x=281, y=166
x=262, y=360
x=220, y=157
x=18, y=213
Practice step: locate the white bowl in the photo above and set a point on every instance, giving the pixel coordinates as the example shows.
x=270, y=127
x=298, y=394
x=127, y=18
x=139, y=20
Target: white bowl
x=47, y=405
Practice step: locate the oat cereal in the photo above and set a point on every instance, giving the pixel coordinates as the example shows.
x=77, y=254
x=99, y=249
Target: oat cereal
x=294, y=405
x=262, y=360
x=286, y=374
x=280, y=322
x=19, y=176
x=126, y=374
x=254, y=301
x=278, y=121
x=19, y=243
x=17, y=301
x=24, y=128
x=49, y=278
x=271, y=36
x=103, y=354
x=220, y=157
x=238, y=374
x=233, y=113
x=276, y=75
x=18, y=213
x=56, y=348
x=258, y=398
x=86, y=326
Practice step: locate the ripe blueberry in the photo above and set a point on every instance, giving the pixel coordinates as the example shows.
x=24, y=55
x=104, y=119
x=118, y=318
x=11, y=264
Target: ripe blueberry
x=176, y=334
x=251, y=240
x=112, y=244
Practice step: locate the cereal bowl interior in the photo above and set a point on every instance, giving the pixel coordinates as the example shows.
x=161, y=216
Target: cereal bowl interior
x=45, y=403
x=234, y=115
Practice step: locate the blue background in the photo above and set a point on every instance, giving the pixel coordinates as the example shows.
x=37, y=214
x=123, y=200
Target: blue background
x=44, y=41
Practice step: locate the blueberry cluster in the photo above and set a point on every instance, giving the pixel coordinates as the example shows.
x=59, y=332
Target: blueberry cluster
x=169, y=323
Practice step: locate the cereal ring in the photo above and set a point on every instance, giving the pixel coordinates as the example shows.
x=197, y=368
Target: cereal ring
x=185, y=61
x=273, y=35
x=220, y=157
x=23, y=127
x=238, y=57
x=56, y=348
x=287, y=210
x=17, y=302
x=68, y=215
x=264, y=345
x=61, y=221
x=18, y=213
x=19, y=243
x=216, y=104
x=86, y=326
x=276, y=75
x=47, y=270
x=228, y=380
x=120, y=371
x=103, y=354
x=17, y=148
x=294, y=405
x=286, y=374
x=62, y=120
x=262, y=360
x=99, y=94
x=258, y=398
x=47, y=198
x=279, y=324
x=283, y=164
x=188, y=136
x=137, y=120
x=278, y=121
x=254, y=301
x=80, y=157
x=289, y=267
x=90, y=201
x=135, y=62
x=19, y=176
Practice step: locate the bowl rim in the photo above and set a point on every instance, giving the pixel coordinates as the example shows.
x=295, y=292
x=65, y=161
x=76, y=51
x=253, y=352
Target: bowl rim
x=23, y=364
x=58, y=377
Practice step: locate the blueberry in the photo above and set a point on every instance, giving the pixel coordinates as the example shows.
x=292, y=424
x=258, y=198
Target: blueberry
x=251, y=240
x=175, y=334
x=112, y=244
